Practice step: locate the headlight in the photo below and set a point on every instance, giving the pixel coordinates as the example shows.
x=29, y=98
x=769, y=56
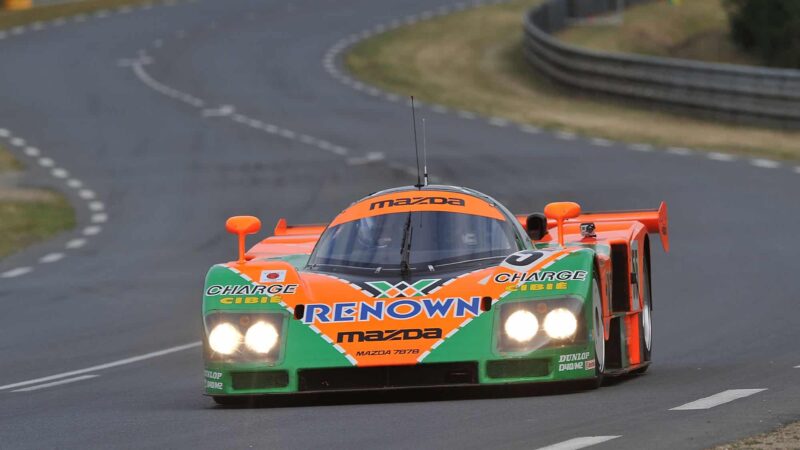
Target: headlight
x=224, y=339
x=521, y=326
x=261, y=337
x=560, y=324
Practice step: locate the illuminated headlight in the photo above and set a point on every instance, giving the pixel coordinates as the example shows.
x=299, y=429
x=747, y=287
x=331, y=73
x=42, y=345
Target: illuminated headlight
x=261, y=337
x=224, y=339
x=560, y=324
x=521, y=326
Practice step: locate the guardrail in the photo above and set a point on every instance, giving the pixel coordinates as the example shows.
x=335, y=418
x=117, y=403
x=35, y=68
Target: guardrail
x=726, y=91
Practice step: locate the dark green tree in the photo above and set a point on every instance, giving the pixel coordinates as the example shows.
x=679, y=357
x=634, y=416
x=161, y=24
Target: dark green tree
x=769, y=29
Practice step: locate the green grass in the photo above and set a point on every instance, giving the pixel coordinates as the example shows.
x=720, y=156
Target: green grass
x=473, y=60
x=29, y=216
x=697, y=29
x=9, y=19
x=8, y=162
x=23, y=223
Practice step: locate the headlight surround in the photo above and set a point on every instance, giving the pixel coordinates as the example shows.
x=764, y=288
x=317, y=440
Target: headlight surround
x=566, y=325
x=245, y=337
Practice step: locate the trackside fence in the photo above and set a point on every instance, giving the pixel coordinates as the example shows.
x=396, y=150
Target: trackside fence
x=726, y=91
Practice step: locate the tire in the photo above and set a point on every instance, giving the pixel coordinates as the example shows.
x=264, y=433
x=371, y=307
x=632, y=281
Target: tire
x=646, y=318
x=598, y=334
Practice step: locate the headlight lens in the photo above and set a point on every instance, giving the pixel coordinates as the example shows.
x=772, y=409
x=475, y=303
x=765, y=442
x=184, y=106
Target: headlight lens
x=224, y=339
x=560, y=323
x=261, y=337
x=521, y=326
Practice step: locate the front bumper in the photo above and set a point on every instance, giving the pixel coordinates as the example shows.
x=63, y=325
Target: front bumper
x=545, y=365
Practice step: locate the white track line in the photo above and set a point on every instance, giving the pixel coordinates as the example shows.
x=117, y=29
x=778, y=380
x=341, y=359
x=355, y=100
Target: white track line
x=797, y=367
x=75, y=243
x=566, y=135
x=717, y=399
x=641, y=147
x=51, y=258
x=681, y=151
x=138, y=66
x=56, y=383
x=765, y=163
x=716, y=156
x=579, y=442
x=602, y=142
x=19, y=271
x=92, y=230
x=105, y=366
x=530, y=129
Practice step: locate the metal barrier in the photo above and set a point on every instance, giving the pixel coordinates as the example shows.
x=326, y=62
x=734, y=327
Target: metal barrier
x=726, y=91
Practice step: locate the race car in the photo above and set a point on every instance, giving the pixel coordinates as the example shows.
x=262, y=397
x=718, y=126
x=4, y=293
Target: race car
x=431, y=286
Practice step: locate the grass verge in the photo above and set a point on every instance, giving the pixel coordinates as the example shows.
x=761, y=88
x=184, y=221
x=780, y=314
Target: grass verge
x=9, y=19
x=473, y=60
x=28, y=216
x=787, y=437
x=8, y=162
x=696, y=29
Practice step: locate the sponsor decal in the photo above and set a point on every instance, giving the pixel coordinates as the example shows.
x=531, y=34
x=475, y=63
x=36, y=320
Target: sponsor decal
x=397, y=351
x=363, y=311
x=250, y=300
x=211, y=379
x=573, y=357
x=408, y=201
x=546, y=275
x=589, y=364
x=574, y=361
x=409, y=334
x=386, y=289
x=210, y=374
x=272, y=276
x=214, y=385
x=251, y=289
x=560, y=286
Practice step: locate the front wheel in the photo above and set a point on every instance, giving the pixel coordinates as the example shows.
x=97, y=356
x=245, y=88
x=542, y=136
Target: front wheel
x=598, y=335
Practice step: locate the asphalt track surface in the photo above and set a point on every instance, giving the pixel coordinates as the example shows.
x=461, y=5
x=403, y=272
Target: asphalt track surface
x=130, y=104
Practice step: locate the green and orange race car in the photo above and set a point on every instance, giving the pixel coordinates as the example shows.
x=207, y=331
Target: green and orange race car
x=431, y=286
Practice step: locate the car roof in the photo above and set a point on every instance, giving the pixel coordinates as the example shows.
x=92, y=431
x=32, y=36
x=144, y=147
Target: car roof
x=425, y=198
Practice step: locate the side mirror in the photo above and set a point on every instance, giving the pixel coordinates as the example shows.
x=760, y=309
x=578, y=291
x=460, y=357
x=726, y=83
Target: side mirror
x=242, y=226
x=536, y=226
x=561, y=211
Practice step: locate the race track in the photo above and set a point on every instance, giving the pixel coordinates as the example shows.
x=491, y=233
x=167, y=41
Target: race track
x=166, y=120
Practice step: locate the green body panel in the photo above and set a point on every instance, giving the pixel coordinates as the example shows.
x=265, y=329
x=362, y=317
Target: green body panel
x=475, y=341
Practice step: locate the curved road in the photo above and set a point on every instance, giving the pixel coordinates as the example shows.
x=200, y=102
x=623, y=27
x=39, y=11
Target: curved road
x=161, y=122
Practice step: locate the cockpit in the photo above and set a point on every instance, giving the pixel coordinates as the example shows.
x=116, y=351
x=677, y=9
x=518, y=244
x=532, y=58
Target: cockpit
x=430, y=235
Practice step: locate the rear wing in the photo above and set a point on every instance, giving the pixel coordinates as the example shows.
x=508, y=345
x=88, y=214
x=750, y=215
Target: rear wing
x=654, y=220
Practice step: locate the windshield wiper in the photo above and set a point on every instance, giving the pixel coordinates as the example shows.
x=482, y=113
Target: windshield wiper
x=468, y=261
x=405, y=248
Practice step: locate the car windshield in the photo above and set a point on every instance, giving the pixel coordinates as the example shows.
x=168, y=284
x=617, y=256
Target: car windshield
x=427, y=240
